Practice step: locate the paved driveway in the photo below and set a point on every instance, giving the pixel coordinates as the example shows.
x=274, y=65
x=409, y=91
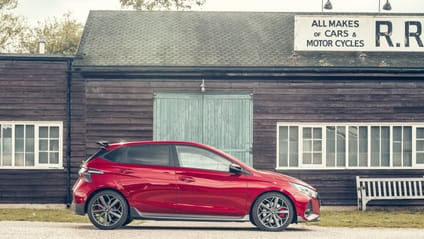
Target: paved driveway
x=189, y=230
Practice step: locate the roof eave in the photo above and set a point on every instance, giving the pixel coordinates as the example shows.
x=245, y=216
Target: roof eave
x=243, y=71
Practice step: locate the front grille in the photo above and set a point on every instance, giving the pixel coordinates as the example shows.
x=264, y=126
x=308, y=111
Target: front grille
x=308, y=210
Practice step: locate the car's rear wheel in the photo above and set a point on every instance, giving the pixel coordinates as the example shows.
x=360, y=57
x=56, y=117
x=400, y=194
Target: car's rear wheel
x=272, y=212
x=107, y=210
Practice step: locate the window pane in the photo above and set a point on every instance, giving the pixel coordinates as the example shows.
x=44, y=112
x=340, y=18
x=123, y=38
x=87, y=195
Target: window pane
x=317, y=158
x=29, y=138
x=307, y=158
x=307, y=145
x=19, y=145
x=54, y=132
x=54, y=145
x=407, y=146
x=29, y=159
x=29, y=145
x=283, y=146
x=117, y=155
x=193, y=157
x=420, y=145
x=353, y=146
x=385, y=146
x=363, y=146
x=29, y=131
x=331, y=147
x=7, y=145
x=43, y=132
x=397, y=146
x=43, y=157
x=341, y=147
x=148, y=155
x=294, y=146
x=397, y=134
x=420, y=158
x=19, y=131
x=420, y=133
x=375, y=146
x=54, y=157
x=19, y=159
x=317, y=133
x=43, y=145
x=317, y=146
x=307, y=133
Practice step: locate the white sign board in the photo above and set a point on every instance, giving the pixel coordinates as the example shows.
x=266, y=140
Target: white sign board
x=359, y=33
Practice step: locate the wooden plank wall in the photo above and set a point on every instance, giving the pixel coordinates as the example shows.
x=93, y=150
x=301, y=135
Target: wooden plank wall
x=33, y=91
x=122, y=110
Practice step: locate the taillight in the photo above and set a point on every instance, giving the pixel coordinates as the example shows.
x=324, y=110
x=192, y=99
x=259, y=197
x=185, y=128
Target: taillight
x=86, y=172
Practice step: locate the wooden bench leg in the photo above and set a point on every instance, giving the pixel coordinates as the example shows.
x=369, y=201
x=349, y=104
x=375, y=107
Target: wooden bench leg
x=364, y=205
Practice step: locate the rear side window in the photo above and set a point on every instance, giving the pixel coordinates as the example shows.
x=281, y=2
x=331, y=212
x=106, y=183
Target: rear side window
x=148, y=155
x=116, y=155
x=99, y=153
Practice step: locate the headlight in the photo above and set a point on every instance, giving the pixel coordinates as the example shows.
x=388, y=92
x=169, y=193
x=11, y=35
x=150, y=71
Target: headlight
x=305, y=190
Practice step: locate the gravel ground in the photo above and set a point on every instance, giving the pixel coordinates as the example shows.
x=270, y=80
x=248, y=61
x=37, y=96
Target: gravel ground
x=190, y=230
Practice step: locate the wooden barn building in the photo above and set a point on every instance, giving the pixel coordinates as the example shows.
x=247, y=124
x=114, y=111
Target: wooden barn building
x=320, y=97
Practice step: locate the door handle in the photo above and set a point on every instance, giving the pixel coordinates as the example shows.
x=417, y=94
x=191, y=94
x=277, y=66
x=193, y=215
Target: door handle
x=124, y=171
x=186, y=179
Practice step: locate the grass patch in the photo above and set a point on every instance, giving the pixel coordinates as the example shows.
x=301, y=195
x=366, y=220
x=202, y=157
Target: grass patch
x=411, y=218
x=42, y=215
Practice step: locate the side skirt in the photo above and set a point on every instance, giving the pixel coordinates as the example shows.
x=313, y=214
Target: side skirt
x=136, y=214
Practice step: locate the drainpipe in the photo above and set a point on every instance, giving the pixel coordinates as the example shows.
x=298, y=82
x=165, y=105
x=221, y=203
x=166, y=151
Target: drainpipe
x=68, y=135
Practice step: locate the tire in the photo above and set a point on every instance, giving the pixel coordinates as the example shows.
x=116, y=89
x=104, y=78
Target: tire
x=107, y=210
x=128, y=221
x=272, y=212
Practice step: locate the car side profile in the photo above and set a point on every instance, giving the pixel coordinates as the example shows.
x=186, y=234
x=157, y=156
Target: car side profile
x=172, y=180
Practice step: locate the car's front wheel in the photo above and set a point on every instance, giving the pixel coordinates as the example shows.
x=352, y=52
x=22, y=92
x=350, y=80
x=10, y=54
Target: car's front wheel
x=107, y=210
x=272, y=212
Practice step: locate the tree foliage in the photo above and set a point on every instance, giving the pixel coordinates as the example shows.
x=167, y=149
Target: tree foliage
x=61, y=36
x=161, y=4
x=11, y=26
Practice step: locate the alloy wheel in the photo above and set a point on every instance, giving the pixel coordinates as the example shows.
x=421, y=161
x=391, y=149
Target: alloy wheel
x=273, y=212
x=108, y=210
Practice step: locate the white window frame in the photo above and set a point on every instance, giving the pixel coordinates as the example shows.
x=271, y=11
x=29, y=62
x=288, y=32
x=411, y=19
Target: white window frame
x=37, y=124
x=324, y=125
x=312, y=152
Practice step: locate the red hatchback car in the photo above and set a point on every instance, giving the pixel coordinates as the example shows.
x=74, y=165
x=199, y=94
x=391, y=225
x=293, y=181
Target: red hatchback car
x=168, y=180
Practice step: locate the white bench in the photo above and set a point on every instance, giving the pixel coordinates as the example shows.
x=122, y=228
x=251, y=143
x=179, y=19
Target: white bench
x=388, y=188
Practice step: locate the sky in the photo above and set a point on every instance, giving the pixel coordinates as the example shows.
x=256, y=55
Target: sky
x=40, y=10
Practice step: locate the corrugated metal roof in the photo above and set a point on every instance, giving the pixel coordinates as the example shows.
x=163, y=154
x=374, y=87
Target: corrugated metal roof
x=217, y=39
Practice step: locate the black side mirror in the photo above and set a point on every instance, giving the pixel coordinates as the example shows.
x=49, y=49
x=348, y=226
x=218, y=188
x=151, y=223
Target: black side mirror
x=236, y=169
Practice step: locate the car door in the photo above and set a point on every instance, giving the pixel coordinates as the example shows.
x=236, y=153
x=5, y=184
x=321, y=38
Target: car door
x=205, y=185
x=146, y=174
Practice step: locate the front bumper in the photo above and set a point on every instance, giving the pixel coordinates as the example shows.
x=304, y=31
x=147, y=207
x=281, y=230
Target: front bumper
x=311, y=218
x=308, y=208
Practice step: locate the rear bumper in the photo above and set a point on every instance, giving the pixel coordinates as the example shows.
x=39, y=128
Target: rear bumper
x=78, y=209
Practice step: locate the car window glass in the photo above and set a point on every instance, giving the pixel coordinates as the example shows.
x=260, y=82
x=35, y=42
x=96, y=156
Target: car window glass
x=148, y=155
x=192, y=157
x=116, y=155
x=99, y=153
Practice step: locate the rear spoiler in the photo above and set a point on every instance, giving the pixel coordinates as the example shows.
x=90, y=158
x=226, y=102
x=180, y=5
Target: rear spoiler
x=103, y=144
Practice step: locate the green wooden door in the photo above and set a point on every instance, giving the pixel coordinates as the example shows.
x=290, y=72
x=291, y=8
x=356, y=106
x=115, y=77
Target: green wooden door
x=220, y=120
